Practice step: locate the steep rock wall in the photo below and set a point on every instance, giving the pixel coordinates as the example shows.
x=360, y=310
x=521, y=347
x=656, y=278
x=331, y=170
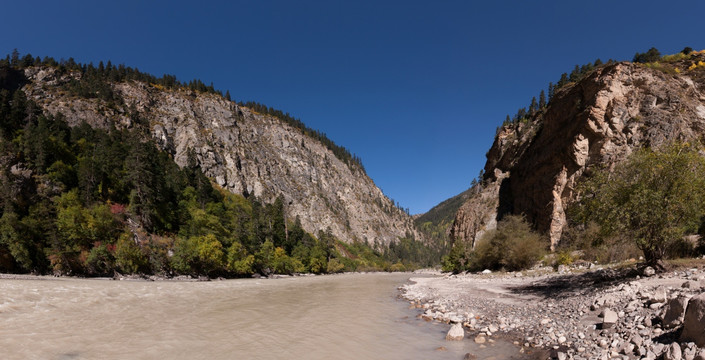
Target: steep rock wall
x=598, y=121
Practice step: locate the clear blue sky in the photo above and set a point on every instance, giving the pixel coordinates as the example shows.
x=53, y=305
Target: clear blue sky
x=415, y=88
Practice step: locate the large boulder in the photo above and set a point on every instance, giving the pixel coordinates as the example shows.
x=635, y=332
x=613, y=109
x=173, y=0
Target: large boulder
x=456, y=332
x=694, y=321
x=675, y=310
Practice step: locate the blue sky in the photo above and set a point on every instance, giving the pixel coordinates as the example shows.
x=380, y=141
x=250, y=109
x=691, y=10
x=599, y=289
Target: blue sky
x=415, y=88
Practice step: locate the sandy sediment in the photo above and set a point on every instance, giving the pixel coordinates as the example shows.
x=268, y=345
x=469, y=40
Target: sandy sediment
x=602, y=313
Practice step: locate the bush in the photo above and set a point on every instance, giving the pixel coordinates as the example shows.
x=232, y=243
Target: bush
x=101, y=260
x=334, y=266
x=128, y=256
x=513, y=246
x=564, y=257
x=398, y=267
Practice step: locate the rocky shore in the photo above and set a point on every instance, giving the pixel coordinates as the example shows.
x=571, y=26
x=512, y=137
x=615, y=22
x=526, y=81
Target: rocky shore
x=574, y=313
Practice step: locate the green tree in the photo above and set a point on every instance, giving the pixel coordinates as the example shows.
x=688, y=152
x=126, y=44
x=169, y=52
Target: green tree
x=264, y=258
x=129, y=258
x=239, y=261
x=318, y=262
x=12, y=238
x=652, y=55
x=534, y=106
x=457, y=259
x=655, y=196
x=211, y=257
x=284, y=264
x=542, y=100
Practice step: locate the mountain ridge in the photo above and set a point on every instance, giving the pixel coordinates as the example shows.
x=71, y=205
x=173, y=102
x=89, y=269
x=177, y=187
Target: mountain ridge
x=244, y=151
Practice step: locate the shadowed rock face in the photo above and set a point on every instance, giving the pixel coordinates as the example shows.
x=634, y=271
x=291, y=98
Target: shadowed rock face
x=243, y=151
x=532, y=168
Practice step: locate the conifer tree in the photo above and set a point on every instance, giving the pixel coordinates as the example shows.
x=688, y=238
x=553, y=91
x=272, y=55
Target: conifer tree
x=542, y=100
x=533, y=107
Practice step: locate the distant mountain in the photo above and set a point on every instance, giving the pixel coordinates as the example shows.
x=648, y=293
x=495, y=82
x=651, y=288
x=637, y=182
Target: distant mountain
x=435, y=224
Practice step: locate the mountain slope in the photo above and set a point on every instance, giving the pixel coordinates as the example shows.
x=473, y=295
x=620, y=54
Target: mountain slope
x=436, y=223
x=532, y=168
x=241, y=150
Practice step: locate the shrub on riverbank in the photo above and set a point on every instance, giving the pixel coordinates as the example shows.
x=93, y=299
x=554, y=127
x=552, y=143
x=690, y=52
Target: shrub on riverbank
x=512, y=246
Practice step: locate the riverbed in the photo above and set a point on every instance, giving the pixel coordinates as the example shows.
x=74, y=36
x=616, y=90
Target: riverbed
x=350, y=316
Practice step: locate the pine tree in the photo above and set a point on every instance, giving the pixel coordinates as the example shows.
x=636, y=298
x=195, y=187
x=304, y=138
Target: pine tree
x=534, y=106
x=542, y=100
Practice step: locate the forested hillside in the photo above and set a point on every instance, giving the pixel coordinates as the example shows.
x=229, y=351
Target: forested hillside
x=91, y=200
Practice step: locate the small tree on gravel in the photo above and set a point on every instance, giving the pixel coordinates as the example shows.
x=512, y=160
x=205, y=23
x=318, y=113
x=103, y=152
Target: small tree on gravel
x=513, y=246
x=654, y=197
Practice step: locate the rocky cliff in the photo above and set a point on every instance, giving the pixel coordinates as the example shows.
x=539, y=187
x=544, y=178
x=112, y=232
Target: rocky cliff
x=532, y=168
x=241, y=150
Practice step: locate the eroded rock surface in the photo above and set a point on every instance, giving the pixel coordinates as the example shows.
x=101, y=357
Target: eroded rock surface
x=532, y=168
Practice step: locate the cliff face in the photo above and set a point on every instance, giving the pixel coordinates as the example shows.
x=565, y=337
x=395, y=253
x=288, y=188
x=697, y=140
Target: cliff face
x=243, y=151
x=532, y=168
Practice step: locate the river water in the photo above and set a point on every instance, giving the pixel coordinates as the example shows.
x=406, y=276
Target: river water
x=351, y=316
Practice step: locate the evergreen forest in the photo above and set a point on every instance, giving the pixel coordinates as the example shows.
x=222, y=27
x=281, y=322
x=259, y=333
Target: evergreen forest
x=92, y=202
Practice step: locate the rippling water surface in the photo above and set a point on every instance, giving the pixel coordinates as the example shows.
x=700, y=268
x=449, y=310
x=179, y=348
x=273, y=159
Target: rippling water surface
x=323, y=317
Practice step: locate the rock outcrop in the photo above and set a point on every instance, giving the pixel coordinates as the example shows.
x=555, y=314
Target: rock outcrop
x=241, y=150
x=533, y=167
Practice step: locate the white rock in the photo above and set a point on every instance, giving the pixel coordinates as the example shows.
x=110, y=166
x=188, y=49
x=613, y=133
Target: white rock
x=656, y=306
x=649, y=271
x=456, y=332
x=673, y=352
x=609, y=318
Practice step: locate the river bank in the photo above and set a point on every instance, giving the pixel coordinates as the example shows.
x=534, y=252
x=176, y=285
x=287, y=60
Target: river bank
x=566, y=314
